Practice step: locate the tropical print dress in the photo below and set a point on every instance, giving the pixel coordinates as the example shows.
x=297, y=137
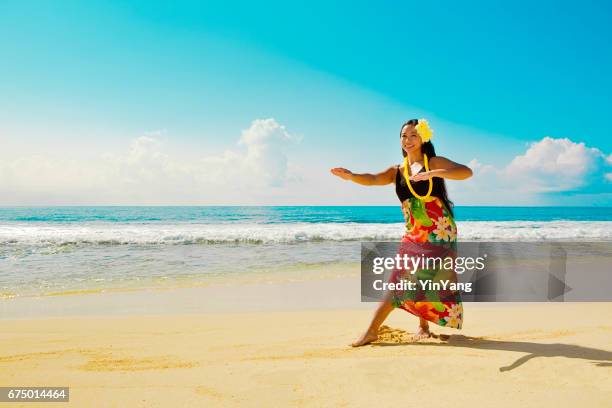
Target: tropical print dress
x=430, y=232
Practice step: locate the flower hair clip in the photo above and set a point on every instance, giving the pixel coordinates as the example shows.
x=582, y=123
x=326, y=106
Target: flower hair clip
x=424, y=130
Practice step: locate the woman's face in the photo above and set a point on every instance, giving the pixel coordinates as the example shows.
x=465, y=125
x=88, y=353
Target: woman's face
x=410, y=139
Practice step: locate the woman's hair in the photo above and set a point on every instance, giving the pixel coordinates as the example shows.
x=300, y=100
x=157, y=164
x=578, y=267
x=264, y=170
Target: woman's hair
x=428, y=149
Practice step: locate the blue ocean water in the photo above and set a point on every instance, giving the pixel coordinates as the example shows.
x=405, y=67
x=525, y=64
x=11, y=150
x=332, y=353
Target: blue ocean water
x=289, y=214
x=46, y=250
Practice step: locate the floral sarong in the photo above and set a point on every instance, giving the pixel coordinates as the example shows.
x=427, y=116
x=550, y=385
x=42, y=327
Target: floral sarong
x=430, y=233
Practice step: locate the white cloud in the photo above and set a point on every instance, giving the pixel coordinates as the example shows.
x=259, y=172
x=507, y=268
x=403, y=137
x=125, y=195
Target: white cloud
x=145, y=174
x=257, y=168
x=547, y=166
x=554, y=165
x=265, y=159
x=261, y=162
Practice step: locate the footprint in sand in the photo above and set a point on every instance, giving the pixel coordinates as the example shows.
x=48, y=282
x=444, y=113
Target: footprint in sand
x=388, y=334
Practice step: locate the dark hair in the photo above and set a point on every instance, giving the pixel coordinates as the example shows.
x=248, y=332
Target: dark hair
x=428, y=149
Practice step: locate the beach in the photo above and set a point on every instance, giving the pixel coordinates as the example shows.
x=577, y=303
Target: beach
x=287, y=344
x=303, y=204
x=257, y=306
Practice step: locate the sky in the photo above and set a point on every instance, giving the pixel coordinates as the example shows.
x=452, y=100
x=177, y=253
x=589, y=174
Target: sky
x=251, y=103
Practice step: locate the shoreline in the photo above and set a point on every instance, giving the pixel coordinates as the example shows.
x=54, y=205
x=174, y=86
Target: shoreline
x=314, y=294
x=293, y=273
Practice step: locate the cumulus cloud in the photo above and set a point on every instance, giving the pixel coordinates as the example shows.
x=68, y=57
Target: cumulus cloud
x=145, y=174
x=266, y=141
x=261, y=160
x=550, y=165
x=256, y=168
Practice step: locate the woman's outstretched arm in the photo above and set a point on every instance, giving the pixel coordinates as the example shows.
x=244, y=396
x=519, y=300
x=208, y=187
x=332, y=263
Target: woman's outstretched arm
x=366, y=179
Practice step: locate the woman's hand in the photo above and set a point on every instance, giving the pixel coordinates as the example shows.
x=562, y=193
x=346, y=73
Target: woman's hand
x=366, y=179
x=449, y=169
x=342, y=173
x=426, y=175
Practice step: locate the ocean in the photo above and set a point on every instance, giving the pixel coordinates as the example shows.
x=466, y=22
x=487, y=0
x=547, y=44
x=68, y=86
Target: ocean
x=61, y=250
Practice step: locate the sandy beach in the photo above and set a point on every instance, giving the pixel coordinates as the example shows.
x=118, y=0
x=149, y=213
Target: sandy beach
x=286, y=344
x=203, y=204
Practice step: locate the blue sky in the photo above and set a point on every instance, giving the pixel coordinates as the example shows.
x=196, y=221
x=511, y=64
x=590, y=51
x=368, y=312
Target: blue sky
x=167, y=102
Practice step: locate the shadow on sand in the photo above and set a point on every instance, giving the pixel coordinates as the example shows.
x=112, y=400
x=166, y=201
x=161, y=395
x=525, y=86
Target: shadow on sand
x=600, y=358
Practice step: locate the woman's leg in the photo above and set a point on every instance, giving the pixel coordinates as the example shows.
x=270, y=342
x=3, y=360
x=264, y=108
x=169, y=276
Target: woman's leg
x=384, y=308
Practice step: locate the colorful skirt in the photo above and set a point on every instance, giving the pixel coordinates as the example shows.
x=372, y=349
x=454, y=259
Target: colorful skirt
x=431, y=237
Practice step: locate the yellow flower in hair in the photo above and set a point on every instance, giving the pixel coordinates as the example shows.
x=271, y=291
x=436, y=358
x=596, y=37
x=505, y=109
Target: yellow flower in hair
x=424, y=130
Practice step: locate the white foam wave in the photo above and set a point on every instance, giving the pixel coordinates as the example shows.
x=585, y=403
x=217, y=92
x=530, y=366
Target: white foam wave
x=115, y=233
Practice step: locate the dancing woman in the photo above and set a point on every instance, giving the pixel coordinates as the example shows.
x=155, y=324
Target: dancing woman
x=420, y=187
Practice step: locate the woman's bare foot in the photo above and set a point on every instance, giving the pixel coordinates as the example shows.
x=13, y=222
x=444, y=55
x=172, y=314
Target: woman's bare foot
x=366, y=338
x=422, y=333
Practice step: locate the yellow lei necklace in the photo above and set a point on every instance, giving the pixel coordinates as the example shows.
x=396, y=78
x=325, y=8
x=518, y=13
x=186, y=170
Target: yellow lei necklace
x=407, y=177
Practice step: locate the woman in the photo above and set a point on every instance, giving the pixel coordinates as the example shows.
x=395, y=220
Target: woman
x=420, y=187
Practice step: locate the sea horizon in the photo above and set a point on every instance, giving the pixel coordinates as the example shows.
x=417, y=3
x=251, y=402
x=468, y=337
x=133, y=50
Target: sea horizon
x=288, y=213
